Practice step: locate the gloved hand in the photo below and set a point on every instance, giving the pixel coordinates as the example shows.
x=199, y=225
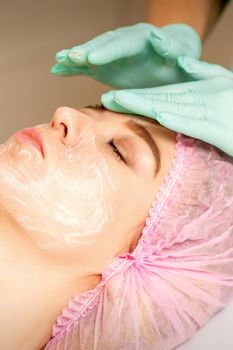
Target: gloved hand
x=136, y=56
x=202, y=109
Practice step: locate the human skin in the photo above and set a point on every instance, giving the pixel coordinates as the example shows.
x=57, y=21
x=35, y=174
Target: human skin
x=37, y=279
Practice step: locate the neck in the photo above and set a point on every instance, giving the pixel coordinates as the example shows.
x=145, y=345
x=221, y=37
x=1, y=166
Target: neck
x=29, y=280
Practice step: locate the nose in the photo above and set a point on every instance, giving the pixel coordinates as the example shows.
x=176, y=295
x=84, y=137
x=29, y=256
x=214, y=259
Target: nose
x=69, y=123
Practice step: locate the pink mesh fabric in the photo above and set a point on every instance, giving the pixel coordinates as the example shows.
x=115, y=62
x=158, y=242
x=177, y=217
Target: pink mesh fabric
x=179, y=275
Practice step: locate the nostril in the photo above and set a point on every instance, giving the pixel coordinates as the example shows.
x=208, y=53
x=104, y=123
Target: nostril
x=64, y=129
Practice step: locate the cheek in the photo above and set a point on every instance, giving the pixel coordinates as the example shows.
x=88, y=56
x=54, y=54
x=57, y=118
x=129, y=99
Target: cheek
x=66, y=202
x=134, y=199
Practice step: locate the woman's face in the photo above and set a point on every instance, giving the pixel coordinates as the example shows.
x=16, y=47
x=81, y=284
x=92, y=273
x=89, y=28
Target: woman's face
x=89, y=188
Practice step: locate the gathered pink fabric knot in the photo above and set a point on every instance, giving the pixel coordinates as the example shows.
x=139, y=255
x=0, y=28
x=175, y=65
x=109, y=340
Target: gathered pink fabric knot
x=143, y=260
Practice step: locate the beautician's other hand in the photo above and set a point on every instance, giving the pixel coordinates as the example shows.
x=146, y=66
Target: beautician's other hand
x=202, y=109
x=136, y=56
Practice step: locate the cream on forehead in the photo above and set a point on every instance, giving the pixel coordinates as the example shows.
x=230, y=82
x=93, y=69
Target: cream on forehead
x=56, y=208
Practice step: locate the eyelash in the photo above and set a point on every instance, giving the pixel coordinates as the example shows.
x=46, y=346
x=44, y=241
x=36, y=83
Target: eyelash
x=116, y=151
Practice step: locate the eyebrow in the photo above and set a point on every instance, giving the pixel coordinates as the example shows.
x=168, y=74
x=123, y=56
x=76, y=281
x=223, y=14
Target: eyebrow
x=144, y=134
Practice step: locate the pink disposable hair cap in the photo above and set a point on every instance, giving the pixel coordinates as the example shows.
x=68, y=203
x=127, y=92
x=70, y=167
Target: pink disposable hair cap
x=179, y=275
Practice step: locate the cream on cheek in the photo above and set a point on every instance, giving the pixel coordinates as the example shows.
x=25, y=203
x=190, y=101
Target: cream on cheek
x=63, y=202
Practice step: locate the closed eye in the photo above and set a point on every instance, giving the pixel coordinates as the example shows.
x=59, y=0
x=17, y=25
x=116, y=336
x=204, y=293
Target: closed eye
x=116, y=151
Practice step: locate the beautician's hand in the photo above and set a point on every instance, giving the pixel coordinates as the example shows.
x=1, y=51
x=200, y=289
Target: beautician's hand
x=202, y=109
x=136, y=56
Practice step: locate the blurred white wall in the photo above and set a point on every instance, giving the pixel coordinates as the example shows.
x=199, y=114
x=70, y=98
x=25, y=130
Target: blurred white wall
x=31, y=33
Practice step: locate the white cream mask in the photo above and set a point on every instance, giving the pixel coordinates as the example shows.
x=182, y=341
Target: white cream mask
x=63, y=200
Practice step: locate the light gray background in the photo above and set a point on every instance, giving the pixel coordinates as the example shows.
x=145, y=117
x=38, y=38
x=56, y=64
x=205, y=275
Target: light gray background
x=31, y=33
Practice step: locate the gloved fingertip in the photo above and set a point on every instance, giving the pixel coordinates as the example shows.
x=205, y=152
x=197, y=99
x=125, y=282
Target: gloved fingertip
x=119, y=95
x=54, y=70
x=158, y=34
x=130, y=101
x=58, y=70
x=107, y=97
x=108, y=101
x=61, y=56
x=62, y=53
x=160, y=41
x=127, y=99
x=61, y=60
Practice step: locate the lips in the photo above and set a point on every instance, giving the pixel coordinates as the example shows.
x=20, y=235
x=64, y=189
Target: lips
x=31, y=136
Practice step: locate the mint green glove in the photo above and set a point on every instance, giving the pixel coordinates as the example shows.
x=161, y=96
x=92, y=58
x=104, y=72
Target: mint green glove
x=202, y=109
x=137, y=56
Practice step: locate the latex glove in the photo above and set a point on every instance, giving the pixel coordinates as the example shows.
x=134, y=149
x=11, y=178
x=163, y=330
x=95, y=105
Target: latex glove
x=202, y=109
x=136, y=56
